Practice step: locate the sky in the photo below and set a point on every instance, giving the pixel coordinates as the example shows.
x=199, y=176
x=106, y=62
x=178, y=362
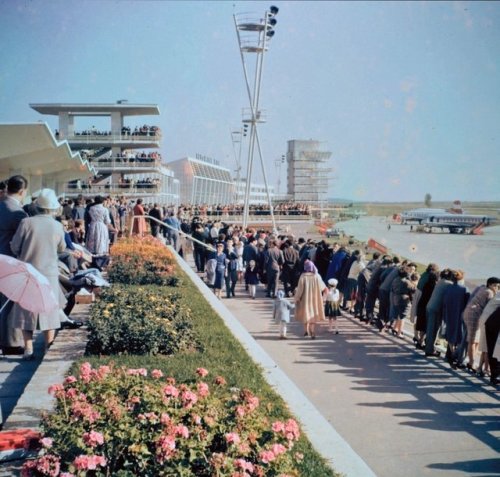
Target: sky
x=406, y=95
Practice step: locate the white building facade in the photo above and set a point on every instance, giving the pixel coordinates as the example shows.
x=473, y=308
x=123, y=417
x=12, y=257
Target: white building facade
x=203, y=181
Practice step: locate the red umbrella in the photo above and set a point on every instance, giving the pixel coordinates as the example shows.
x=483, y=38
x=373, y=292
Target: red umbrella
x=23, y=284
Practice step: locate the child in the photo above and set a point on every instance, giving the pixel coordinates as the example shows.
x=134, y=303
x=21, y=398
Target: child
x=281, y=312
x=252, y=278
x=332, y=305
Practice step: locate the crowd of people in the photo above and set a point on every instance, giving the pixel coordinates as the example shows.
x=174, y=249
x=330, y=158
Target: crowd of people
x=320, y=280
x=383, y=291
x=40, y=235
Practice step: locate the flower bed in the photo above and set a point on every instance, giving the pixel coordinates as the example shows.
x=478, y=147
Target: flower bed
x=119, y=421
x=142, y=261
x=140, y=320
x=113, y=419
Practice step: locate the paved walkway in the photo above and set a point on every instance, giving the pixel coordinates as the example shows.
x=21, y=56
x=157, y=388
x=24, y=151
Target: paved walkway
x=402, y=413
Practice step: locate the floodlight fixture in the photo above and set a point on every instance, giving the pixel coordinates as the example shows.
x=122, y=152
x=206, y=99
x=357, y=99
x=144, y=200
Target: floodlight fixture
x=273, y=10
x=270, y=33
x=272, y=22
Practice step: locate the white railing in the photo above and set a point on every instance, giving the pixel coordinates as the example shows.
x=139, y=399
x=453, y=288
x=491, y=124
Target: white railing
x=115, y=189
x=117, y=162
x=111, y=138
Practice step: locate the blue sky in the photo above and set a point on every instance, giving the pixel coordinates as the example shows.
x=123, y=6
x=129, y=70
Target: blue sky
x=406, y=95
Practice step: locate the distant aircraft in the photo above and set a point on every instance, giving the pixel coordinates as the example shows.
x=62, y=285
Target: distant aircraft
x=456, y=223
x=419, y=215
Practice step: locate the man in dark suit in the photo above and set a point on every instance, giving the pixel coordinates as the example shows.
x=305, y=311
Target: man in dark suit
x=11, y=214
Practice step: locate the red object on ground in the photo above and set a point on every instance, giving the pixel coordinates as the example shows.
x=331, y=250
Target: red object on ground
x=18, y=438
x=376, y=246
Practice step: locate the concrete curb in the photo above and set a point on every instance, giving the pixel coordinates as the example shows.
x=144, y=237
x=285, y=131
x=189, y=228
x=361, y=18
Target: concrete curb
x=325, y=439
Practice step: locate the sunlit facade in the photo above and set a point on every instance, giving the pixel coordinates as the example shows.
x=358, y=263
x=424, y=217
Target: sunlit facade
x=308, y=173
x=203, y=181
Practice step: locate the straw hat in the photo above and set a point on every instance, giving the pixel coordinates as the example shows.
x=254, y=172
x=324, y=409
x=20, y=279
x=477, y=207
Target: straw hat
x=47, y=199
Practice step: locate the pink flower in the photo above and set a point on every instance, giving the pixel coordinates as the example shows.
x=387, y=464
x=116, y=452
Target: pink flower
x=165, y=419
x=85, y=372
x=181, y=431
x=201, y=372
x=266, y=456
x=243, y=465
x=232, y=438
x=292, y=431
x=278, y=426
x=137, y=372
x=156, y=374
x=203, y=390
x=89, y=462
x=93, y=438
x=240, y=411
x=70, y=380
x=103, y=371
x=252, y=402
x=46, y=442
x=85, y=411
x=170, y=390
x=165, y=448
x=189, y=399
x=278, y=449
x=66, y=474
x=56, y=390
x=46, y=465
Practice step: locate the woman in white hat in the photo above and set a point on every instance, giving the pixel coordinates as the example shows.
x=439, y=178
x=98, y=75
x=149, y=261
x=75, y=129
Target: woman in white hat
x=37, y=241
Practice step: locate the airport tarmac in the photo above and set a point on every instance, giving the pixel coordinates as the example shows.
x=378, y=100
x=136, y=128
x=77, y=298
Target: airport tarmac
x=477, y=255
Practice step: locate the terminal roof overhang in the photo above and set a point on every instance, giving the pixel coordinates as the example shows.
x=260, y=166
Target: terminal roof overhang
x=32, y=149
x=98, y=109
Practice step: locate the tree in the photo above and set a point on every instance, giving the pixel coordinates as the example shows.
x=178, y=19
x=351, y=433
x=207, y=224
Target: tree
x=428, y=200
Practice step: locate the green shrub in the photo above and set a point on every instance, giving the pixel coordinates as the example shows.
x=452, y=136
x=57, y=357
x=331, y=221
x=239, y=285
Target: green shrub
x=140, y=320
x=137, y=271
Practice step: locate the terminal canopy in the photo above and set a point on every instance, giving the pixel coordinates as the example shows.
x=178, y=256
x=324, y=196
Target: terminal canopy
x=33, y=151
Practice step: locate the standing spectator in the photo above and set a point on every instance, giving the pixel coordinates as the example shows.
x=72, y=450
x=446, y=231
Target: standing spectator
x=357, y=266
x=402, y=289
x=434, y=312
x=492, y=328
x=37, y=241
x=309, y=299
x=332, y=305
x=156, y=213
x=220, y=269
x=139, y=225
x=11, y=214
x=273, y=263
x=252, y=278
x=281, y=312
x=289, y=274
x=98, y=231
x=454, y=302
x=199, y=251
x=478, y=301
x=78, y=211
x=172, y=231
x=231, y=274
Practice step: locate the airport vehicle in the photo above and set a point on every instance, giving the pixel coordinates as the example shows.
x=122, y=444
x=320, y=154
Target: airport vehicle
x=333, y=233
